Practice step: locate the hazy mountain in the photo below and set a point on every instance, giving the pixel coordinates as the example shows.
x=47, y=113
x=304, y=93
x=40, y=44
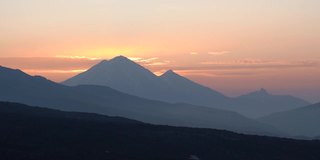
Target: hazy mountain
x=126, y=76
x=39, y=133
x=261, y=103
x=300, y=122
x=185, y=90
x=16, y=86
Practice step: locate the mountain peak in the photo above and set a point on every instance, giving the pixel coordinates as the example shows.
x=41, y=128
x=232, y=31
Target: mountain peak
x=169, y=73
x=9, y=70
x=261, y=92
x=104, y=61
x=264, y=91
x=116, y=62
x=120, y=59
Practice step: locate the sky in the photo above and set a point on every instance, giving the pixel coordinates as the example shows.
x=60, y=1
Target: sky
x=233, y=46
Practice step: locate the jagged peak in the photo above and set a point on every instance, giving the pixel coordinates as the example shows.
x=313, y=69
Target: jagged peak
x=104, y=61
x=261, y=91
x=10, y=69
x=169, y=72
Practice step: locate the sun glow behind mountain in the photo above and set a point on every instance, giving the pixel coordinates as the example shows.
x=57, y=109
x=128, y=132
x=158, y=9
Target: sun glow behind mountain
x=234, y=46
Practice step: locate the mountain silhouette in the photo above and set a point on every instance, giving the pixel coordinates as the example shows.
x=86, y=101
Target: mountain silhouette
x=184, y=90
x=261, y=103
x=39, y=133
x=120, y=73
x=124, y=75
x=299, y=122
x=16, y=86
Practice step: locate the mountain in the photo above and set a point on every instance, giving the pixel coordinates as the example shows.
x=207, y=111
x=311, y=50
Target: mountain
x=299, y=122
x=40, y=133
x=261, y=103
x=187, y=91
x=16, y=86
x=122, y=74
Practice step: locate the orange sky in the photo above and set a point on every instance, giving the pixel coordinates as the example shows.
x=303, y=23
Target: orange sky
x=233, y=46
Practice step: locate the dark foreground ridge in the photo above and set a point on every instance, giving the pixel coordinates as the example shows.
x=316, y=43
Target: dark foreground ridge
x=32, y=133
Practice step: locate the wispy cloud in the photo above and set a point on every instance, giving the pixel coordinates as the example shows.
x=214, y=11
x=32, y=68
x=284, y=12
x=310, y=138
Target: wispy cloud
x=56, y=68
x=148, y=60
x=193, y=53
x=76, y=57
x=64, y=65
x=154, y=61
x=54, y=71
x=143, y=60
x=157, y=64
x=213, y=73
x=218, y=53
x=135, y=58
x=241, y=61
x=243, y=67
x=257, y=64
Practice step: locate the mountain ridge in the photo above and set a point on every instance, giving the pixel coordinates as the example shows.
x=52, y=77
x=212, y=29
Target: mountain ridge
x=104, y=100
x=298, y=122
x=174, y=88
x=38, y=133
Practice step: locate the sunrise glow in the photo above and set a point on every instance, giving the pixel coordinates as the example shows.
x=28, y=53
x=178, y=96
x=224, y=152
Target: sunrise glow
x=233, y=46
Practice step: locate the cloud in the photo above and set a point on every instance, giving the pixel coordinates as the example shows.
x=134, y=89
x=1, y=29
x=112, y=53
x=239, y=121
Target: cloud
x=150, y=62
x=213, y=73
x=215, y=53
x=143, y=60
x=258, y=63
x=63, y=65
x=48, y=63
x=57, y=66
x=241, y=61
x=194, y=53
x=243, y=67
x=76, y=57
x=135, y=58
x=218, y=53
x=54, y=71
x=157, y=64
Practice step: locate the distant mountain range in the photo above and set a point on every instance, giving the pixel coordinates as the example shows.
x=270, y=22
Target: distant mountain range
x=17, y=86
x=40, y=133
x=301, y=122
x=261, y=103
x=122, y=74
x=279, y=117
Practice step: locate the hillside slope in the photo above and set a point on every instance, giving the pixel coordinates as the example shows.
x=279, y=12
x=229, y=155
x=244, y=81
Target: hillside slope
x=39, y=133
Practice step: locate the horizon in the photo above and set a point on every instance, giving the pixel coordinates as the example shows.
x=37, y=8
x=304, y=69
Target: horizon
x=262, y=89
x=234, y=46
